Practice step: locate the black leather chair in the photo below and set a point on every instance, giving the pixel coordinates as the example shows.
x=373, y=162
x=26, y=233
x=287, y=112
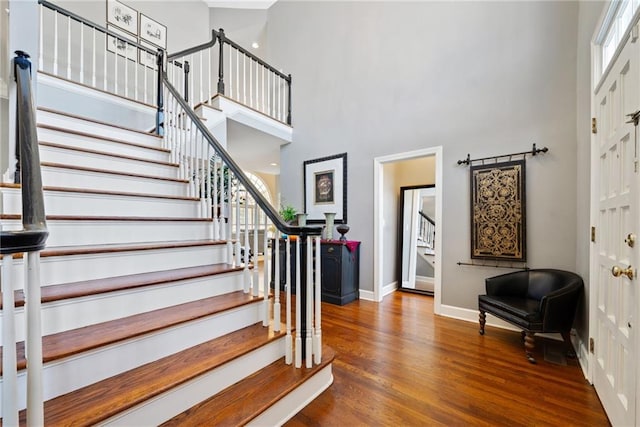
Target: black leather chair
x=541, y=300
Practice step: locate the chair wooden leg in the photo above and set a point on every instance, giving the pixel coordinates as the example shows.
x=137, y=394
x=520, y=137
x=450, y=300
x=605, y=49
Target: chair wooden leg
x=529, y=345
x=483, y=320
x=571, y=354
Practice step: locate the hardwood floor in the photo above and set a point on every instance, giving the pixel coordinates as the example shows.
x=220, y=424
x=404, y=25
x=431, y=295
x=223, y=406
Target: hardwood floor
x=398, y=364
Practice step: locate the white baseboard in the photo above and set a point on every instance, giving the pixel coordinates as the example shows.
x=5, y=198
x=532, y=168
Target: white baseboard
x=367, y=295
x=582, y=352
x=472, y=316
x=389, y=288
x=425, y=279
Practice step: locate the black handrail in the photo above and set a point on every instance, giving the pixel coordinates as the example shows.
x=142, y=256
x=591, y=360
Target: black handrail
x=34, y=234
x=88, y=23
x=425, y=216
x=231, y=164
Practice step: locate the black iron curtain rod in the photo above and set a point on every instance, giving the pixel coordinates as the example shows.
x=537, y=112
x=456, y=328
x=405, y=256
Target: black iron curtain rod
x=533, y=152
x=472, y=264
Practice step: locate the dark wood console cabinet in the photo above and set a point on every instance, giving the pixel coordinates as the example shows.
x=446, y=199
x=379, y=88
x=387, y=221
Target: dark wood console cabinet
x=340, y=278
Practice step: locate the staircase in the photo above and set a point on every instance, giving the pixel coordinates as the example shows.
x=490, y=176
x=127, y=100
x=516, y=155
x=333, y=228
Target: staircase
x=146, y=317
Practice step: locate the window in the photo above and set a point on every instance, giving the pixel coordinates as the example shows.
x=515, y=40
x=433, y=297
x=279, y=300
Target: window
x=614, y=28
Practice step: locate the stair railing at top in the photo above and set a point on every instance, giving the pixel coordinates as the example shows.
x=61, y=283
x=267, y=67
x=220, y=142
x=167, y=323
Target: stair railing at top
x=427, y=230
x=78, y=50
x=250, y=80
x=30, y=240
x=226, y=193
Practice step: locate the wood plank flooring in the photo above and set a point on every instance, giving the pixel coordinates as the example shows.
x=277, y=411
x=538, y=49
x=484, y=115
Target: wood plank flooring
x=398, y=364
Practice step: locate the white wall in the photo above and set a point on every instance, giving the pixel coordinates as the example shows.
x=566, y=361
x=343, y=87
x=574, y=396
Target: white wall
x=485, y=78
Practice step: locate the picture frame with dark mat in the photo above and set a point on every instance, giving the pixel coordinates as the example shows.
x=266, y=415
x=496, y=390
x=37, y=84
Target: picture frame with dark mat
x=325, y=188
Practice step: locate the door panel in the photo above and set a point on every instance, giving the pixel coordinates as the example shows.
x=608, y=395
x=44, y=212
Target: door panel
x=616, y=351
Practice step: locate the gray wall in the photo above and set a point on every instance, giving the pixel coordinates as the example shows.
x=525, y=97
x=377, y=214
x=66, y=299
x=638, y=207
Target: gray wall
x=187, y=21
x=485, y=78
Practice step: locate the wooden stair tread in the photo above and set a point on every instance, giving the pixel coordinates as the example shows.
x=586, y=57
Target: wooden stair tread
x=105, y=153
x=112, y=172
x=68, y=343
x=104, y=138
x=110, y=218
x=119, y=247
x=105, y=192
x=239, y=404
x=85, y=288
x=100, y=122
x=99, y=401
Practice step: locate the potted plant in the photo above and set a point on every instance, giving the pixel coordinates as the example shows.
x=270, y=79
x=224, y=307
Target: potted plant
x=288, y=213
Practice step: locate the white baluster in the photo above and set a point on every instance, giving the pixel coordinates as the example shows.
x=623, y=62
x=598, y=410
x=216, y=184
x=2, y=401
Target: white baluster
x=288, y=351
x=298, y=351
x=68, y=48
x=244, y=78
x=309, y=302
x=276, y=284
x=126, y=69
x=104, y=64
x=264, y=109
x=269, y=97
x=267, y=276
x=55, y=43
x=251, y=82
x=237, y=223
x=247, y=248
x=33, y=348
x=230, y=61
x=93, y=57
x=115, y=71
x=209, y=77
x=136, y=66
x=145, y=72
x=195, y=101
x=256, y=228
x=317, y=343
x=9, y=370
x=81, y=53
x=41, y=55
x=223, y=208
x=215, y=202
x=237, y=76
x=230, y=222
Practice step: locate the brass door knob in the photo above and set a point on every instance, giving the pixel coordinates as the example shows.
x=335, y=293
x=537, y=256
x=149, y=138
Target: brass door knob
x=617, y=272
x=630, y=240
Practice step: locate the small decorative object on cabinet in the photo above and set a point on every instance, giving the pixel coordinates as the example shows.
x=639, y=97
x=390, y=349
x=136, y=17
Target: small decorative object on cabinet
x=342, y=229
x=329, y=221
x=340, y=260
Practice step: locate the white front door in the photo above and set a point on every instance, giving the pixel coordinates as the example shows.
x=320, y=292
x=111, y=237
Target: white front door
x=614, y=281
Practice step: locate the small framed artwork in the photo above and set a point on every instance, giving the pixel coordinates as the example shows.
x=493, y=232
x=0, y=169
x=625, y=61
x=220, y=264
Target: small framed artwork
x=122, y=16
x=121, y=45
x=147, y=58
x=325, y=188
x=153, y=31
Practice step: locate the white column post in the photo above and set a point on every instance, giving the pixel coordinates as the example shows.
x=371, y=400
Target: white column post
x=35, y=406
x=288, y=351
x=298, y=351
x=309, y=301
x=317, y=338
x=276, y=286
x=9, y=369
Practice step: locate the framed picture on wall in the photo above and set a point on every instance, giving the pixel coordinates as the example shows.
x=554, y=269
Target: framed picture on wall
x=121, y=45
x=146, y=58
x=325, y=188
x=122, y=16
x=153, y=31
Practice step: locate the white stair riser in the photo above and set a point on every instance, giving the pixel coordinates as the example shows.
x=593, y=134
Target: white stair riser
x=98, y=144
x=296, y=400
x=65, y=315
x=77, y=124
x=75, y=268
x=78, y=158
x=179, y=399
x=78, y=371
x=69, y=233
x=70, y=178
x=71, y=203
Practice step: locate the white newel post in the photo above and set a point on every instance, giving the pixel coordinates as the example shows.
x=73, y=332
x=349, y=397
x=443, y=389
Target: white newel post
x=9, y=362
x=317, y=338
x=35, y=409
x=309, y=302
x=298, y=350
x=276, y=286
x=288, y=343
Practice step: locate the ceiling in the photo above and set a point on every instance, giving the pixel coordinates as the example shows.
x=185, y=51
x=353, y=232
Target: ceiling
x=241, y=4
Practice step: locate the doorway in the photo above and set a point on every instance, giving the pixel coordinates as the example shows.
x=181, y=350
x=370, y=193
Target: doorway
x=385, y=222
x=615, y=192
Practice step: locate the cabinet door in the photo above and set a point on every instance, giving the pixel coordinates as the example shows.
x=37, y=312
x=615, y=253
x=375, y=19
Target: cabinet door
x=331, y=270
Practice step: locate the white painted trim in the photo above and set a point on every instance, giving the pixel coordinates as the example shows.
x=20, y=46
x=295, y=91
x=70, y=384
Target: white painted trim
x=378, y=179
x=285, y=408
x=582, y=353
x=470, y=315
x=367, y=295
x=48, y=80
x=389, y=288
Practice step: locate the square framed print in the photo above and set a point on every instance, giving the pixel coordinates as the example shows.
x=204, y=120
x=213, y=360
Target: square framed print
x=122, y=16
x=325, y=188
x=153, y=32
x=146, y=58
x=122, y=44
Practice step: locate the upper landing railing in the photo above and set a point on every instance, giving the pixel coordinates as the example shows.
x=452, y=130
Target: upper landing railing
x=222, y=67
